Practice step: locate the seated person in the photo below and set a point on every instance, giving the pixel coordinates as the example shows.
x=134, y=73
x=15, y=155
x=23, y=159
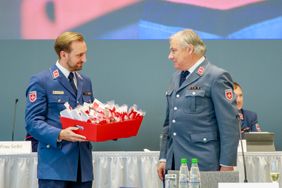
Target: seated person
x=249, y=119
x=34, y=142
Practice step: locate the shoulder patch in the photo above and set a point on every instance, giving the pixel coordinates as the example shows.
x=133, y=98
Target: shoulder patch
x=229, y=94
x=32, y=96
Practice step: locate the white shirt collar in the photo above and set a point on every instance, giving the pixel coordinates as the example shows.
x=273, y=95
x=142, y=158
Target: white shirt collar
x=200, y=61
x=65, y=71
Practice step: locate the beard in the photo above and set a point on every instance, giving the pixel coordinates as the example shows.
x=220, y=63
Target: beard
x=75, y=66
x=78, y=68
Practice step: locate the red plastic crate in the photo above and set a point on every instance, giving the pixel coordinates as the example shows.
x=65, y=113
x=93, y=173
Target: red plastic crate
x=110, y=131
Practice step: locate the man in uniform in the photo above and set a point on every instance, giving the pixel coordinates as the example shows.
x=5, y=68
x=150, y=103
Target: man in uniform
x=201, y=110
x=64, y=157
x=249, y=119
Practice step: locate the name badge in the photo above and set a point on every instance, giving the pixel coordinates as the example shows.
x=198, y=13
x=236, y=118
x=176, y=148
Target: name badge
x=58, y=92
x=87, y=93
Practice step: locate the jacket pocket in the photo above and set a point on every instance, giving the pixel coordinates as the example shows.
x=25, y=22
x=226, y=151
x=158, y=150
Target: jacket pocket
x=57, y=102
x=204, y=137
x=194, y=101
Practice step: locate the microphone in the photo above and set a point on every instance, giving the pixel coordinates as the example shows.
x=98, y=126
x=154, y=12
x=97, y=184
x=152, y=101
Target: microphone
x=242, y=149
x=14, y=118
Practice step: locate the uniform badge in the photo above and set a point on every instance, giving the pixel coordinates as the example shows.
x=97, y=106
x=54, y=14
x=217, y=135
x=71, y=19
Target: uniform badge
x=32, y=96
x=87, y=93
x=201, y=70
x=229, y=94
x=56, y=73
x=194, y=88
x=57, y=92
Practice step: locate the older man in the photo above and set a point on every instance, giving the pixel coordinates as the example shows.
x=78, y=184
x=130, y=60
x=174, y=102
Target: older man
x=201, y=110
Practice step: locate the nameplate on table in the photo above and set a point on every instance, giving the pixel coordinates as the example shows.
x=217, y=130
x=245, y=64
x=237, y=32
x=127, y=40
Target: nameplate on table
x=248, y=185
x=15, y=147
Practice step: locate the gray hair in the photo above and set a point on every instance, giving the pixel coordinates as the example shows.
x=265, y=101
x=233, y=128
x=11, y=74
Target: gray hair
x=188, y=36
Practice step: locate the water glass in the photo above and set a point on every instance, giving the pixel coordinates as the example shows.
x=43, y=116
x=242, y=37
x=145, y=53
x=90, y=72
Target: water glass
x=170, y=181
x=274, y=170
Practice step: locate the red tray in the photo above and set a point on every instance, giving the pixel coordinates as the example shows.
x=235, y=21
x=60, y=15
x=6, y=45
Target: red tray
x=99, y=133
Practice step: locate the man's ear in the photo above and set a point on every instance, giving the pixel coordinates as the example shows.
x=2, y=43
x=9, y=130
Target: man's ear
x=63, y=54
x=190, y=49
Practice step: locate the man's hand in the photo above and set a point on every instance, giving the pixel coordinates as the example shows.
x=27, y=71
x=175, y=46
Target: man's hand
x=161, y=170
x=226, y=168
x=69, y=135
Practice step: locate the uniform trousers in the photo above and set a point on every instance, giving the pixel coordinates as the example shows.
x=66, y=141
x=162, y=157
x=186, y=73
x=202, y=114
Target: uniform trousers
x=44, y=183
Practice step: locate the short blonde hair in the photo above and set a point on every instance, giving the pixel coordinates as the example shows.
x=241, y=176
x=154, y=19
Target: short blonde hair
x=188, y=36
x=63, y=41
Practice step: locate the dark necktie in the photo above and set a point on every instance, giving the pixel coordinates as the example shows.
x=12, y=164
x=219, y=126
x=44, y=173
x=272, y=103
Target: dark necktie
x=71, y=76
x=183, y=76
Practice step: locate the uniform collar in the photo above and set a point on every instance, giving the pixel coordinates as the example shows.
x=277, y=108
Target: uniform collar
x=65, y=71
x=200, y=61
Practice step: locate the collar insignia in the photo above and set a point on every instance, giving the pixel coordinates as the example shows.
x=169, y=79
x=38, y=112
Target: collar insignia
x=201, y=70
x=56, y=74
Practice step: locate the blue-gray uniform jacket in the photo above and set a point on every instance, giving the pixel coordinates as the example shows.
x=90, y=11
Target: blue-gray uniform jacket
x=46, y=94
x=201, y=119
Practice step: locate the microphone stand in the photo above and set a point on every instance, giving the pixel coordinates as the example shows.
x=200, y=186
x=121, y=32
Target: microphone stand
x=242, y=149
x=14, y=119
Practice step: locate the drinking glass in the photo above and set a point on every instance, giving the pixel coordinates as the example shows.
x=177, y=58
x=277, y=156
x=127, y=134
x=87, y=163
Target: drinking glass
x=274, y=170
x=170, y=181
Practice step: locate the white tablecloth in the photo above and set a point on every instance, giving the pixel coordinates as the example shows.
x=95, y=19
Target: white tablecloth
x=258, y=164
x=115, y=169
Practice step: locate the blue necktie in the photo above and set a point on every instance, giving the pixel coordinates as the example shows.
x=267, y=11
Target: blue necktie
x=183, y=76
x=71, y=76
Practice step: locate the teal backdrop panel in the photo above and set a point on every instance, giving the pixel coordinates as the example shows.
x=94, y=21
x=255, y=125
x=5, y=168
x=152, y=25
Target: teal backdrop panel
x=138, y=72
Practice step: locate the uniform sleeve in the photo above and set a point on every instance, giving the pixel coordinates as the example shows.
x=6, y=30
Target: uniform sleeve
x=254, y=124
x=225, y=109
x=36, y=114
x=165, y=136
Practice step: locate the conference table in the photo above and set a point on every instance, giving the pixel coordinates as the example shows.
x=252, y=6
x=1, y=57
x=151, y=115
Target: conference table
x=131, y=169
